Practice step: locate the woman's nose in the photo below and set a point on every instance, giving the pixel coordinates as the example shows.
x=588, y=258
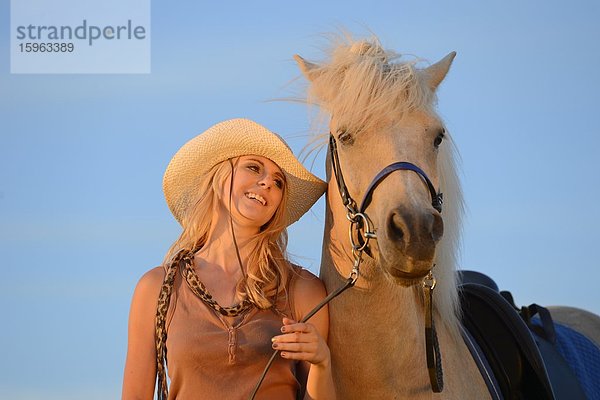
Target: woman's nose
x=265, y=182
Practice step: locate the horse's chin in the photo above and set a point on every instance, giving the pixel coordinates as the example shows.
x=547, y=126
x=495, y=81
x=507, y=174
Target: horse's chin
x=404, y=279
x=407, y=272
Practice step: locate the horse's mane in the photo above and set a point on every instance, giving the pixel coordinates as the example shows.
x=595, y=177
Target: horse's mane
x=362, y=82
x=363, y=85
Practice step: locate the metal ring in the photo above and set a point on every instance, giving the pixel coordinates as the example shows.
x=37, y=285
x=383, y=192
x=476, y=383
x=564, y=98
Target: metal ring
x=360, y=219
x=429, y=281
x=354, y=275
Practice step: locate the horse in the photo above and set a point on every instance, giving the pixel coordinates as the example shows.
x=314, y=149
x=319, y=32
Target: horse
x=399, y=250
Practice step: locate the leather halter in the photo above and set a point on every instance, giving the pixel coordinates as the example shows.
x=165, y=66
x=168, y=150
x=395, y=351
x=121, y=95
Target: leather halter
x=360, y=220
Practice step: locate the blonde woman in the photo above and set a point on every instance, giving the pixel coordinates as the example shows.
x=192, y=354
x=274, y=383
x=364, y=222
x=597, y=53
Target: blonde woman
x=226, y=295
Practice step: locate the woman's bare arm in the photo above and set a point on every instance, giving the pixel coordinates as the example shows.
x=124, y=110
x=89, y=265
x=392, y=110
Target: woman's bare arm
x=140, y=366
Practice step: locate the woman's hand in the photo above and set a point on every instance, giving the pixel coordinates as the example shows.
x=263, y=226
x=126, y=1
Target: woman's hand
x=302, y=341
x=308, y=341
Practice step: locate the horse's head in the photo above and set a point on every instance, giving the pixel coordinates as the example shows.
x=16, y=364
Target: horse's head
x=382, y=113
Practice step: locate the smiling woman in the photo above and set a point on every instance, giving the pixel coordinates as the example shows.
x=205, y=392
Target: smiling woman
x=226, y=295
x=257, y=189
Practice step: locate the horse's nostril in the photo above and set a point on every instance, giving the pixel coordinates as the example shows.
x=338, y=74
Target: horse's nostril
x=396, y=227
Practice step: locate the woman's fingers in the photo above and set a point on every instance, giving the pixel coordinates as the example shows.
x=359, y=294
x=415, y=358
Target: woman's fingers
x=293, y=331
x=289, y=325
x=310, y=357
x=295, y=347
x=297, y=332
x=300, y=351
x=300, y=341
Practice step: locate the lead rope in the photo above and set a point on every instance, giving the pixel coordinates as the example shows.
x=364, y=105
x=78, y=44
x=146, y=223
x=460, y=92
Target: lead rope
x=237, y=251
x=432, y=346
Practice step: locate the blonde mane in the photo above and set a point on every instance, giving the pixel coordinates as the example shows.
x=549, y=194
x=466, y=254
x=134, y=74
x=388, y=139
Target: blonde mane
x=362, y=82
x=364, y=87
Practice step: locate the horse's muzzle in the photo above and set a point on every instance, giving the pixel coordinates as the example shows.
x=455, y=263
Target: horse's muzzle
x=413, y=234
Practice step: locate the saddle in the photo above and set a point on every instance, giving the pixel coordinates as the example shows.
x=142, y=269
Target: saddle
x=518, y=344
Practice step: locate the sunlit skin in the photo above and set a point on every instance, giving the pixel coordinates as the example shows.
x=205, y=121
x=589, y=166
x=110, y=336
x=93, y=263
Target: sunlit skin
x=258, y=187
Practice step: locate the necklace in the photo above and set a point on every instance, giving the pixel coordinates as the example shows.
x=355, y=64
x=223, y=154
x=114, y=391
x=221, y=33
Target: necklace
x=198, y=288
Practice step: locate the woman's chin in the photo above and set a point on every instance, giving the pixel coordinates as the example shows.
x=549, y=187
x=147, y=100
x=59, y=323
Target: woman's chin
x=254, y=217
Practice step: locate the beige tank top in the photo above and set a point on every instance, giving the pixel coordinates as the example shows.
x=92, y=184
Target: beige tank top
x=210, y=358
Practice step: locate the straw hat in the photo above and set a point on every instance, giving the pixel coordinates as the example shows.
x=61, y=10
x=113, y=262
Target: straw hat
x=234, y=138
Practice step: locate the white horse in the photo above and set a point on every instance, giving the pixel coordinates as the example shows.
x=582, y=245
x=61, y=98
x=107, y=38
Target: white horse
x=381, y=111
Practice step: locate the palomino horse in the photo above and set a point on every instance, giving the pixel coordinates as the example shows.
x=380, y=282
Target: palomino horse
x=382, y=113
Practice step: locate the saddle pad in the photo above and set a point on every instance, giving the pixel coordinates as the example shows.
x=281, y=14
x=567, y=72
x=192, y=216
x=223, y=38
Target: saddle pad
x=582, y=355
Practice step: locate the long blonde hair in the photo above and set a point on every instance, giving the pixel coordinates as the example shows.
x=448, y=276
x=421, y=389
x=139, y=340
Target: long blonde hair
x=267, y=269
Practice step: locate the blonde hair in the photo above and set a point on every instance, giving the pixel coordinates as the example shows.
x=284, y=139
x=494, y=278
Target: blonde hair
x=363, y=83
x=267, y=269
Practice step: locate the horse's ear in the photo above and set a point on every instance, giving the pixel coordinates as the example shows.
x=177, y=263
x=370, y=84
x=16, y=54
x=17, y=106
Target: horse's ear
x=436, y=73
x=309, y=70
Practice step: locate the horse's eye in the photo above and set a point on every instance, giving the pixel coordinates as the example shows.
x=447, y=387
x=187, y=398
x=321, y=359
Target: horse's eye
x=439, y=138
x=345, y=137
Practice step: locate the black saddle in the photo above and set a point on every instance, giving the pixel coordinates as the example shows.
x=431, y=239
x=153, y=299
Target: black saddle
x=522, y=355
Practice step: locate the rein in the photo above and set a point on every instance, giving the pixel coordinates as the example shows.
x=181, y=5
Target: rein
x=360, y=221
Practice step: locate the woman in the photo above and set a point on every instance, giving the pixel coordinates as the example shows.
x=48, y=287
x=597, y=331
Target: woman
x=226, y=294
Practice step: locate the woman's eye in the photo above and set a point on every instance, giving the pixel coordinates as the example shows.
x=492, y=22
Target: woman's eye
x=254, y=168
x=279, y=183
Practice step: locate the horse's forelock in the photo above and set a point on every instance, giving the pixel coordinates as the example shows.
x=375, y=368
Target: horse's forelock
x=363, y=84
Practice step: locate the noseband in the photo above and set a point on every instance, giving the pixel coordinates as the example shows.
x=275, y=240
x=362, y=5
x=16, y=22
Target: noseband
x=436, y=198
x=361, y=231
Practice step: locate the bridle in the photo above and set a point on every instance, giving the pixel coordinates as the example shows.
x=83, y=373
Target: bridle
x=358, y=215
x=360, y=232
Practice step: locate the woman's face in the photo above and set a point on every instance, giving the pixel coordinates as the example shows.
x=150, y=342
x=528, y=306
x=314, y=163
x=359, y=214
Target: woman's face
x=258, y=187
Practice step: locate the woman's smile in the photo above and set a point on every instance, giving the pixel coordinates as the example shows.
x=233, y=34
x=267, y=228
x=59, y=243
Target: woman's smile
x=256, y=197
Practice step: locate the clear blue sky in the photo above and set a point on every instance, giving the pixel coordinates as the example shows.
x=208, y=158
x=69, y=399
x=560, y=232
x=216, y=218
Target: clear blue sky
x=82, y=215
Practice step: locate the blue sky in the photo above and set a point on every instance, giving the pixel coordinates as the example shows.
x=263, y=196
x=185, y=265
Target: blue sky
x=82, y=215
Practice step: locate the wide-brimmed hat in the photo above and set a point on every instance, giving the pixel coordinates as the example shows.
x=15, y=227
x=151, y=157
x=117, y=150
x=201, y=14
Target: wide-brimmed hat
x=234, y=138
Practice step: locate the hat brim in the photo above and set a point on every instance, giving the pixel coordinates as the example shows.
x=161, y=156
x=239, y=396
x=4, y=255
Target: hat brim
x=235, y=138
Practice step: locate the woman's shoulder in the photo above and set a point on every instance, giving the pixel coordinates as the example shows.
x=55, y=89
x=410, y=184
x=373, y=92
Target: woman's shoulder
x=306, y=278
x=151, y=282
x=307, y=289
x=154, y=276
